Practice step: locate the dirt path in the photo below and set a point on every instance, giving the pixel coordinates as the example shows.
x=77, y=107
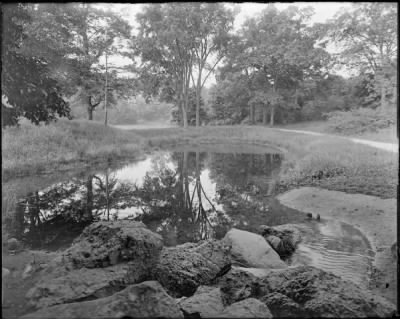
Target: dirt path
x=373, y=216
x=391, y=147
x=144, y=126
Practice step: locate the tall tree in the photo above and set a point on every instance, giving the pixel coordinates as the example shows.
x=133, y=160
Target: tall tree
x=281, y=47
x=85, y=32
x=367, y=35
x=28, y=87
x=209, y=25
x=165, y=52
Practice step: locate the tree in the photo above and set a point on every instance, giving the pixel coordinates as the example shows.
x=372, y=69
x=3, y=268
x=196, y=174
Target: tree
x=210, y=24
x=230, y=97
x=164, y=48
x=28, y=87
x=280, y=46
x=84, y=33
x=368, y=37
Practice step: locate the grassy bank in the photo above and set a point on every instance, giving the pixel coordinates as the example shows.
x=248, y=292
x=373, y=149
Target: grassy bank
x=31, y=149
x=322, y=161
x=386, y=135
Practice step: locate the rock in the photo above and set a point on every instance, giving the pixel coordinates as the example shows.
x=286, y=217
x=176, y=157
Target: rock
x=81, y=271
x=275, y=243
x=238, y=284
x=312, y=292
x=110, y=242
x=147, y=299
x=304, y=291
x=393, y=250
x=4, y=272
x=13, y=244
x=248, y=308
x=183, y=268
x=80, y=284
x=257, y=272
x=283, y=238
x=282, y=306
x=207, y=302
x=251, y=250
x=28, y=270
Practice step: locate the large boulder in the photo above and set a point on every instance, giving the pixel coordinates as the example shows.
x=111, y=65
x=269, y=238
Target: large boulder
x=207, y=302
x=248, y=308
x=251, y=250
x=147, y=299
x=181, y=269
x=321, y=294
x=107, y=257
x=106, y=243
x=304, y=291
x=283, y=238
x=80, y=284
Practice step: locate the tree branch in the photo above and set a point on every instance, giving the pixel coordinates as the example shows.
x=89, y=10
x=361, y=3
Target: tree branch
x=211, y=70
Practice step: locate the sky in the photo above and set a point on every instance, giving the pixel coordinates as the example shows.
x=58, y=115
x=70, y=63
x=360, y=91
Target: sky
x=323, y=12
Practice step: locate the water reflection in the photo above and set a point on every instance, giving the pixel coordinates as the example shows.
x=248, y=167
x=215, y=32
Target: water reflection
x=184, y=196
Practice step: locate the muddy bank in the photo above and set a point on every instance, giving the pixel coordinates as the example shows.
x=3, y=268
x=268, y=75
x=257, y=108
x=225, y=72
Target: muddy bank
x=373, y=216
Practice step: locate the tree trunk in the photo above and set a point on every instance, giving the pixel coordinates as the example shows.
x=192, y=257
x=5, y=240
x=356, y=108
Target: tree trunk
x=265, y=115
x=383, y=98
x=198, y=92
x=90, y=109
x=90, y=113
x=273, y=105
x=272, y=115
x=107, y=197
x=89, y=199
x=252, y=114
x=184, y=116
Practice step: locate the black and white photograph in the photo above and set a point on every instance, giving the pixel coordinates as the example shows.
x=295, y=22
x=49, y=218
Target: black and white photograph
x=199, y=160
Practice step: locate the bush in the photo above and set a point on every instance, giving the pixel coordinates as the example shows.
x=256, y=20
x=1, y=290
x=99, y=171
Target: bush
x=358, y=121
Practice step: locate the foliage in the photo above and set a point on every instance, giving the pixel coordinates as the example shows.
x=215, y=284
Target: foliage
x=211, y=31
x=275, y=56
x=176, y=44
x=229, y=99
x=164, y=49
x=191, y=111
x=82, y=34
x=28, y=88
x=360, y=120
x=368, y=36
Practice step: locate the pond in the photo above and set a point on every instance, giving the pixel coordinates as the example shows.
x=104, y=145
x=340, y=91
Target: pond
x=186, y=194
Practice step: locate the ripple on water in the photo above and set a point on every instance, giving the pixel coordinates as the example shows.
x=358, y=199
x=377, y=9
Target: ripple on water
x=336, y=247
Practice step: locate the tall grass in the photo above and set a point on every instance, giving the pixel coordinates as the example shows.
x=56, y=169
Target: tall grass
x=31, y=149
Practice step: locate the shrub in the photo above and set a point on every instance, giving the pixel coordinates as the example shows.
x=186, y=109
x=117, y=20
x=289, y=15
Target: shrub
x=358, y=121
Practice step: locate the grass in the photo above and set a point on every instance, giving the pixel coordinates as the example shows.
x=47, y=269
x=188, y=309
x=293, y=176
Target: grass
x=322, y=161
x=387, y=135
x=31, y=149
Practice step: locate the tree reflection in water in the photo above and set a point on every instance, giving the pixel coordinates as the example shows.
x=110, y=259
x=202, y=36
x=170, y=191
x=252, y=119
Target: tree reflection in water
x=53, y=217
x=170, y=199
x=174, y=202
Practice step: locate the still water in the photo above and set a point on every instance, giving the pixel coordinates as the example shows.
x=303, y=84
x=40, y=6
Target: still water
x=188, y=193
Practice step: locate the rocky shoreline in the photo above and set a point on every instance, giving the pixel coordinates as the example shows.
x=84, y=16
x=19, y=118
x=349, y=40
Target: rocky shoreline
x=121, y=269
